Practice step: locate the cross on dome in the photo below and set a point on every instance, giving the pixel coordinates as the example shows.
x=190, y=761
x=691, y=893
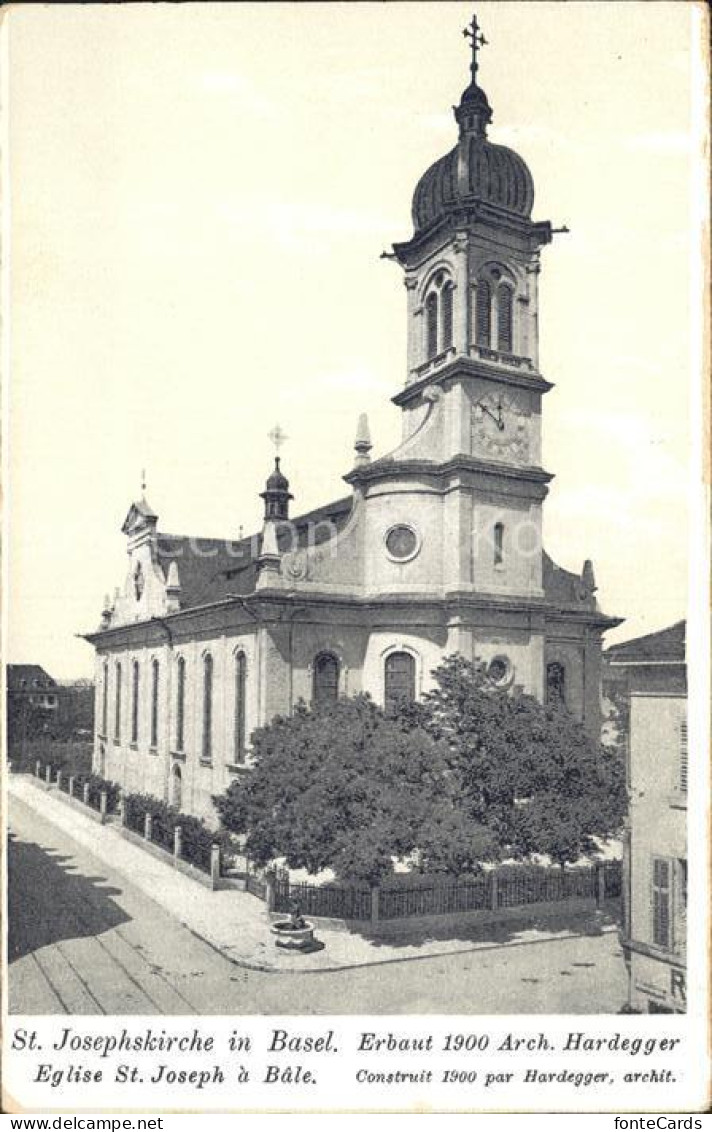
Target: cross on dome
x=473, y=32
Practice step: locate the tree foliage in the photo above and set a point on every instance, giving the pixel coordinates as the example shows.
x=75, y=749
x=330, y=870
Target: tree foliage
x=470, y=774
x=528, y=772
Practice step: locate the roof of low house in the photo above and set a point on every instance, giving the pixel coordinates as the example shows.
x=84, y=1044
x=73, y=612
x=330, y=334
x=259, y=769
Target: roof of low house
x=26, y=676
x=665, y=645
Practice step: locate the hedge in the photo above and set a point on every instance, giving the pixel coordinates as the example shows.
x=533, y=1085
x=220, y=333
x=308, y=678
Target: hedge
x=197, y=839
x=98, y=786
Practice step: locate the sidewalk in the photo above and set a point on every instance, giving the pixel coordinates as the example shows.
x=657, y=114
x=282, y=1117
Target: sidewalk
x=237, y=923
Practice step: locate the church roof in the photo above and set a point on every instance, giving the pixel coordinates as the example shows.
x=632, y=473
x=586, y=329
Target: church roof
x=561, y=587
x=211, y=569
x=666, y=645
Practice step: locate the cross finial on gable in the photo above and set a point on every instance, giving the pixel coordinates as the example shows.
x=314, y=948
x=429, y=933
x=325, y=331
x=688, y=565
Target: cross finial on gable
x=473, y=32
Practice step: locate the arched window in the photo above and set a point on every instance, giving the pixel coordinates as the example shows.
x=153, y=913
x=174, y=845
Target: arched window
x=117, y=705
x=326, y=679
x=135, y=683
x=504, y=318
x=498, y=545
x=105, y=699
x=208, y=707
x=240, y=706
x=446, y=316
x=483, y=327
x=177, y=788
x=431, y=324
x=155, y=677
x=180, y=704
x=399, y=683
x=555, y=683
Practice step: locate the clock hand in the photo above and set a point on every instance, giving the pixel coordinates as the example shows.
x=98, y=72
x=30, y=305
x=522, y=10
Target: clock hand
x=489, y=413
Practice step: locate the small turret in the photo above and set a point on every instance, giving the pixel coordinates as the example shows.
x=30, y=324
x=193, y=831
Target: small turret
x=276, y=494
x=173, y=588
x=106, y=611
x=277, y=498
x=362, y=444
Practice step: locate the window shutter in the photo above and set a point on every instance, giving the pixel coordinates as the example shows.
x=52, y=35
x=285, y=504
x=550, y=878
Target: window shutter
x=683, y=756
x=431, y=315
x=661, y=902
x=446, y=315
x=484, y=312
x=504, y=318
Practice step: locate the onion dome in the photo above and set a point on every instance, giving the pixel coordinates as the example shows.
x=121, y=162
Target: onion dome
x=476, y=171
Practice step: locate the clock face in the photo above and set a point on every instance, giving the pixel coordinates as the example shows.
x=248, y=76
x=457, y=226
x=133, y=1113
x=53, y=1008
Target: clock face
x=500, y=427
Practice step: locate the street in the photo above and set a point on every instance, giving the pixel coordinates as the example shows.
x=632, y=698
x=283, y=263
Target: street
x=84, y=940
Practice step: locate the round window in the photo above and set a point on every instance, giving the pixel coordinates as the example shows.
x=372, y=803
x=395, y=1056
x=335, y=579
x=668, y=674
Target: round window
x=500, y=671
x=401, y=542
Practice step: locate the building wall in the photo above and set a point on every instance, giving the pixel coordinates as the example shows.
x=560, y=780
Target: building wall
x=138, y=766
x=658, y=819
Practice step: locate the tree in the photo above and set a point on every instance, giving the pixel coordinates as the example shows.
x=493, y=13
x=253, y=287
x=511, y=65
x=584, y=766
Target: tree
x=344, y=787
x=526, y=772
x=470, y=774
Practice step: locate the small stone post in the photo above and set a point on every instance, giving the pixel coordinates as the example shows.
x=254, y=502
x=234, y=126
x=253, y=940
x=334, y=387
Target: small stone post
x=375, y=902
x=59, y=780
x=48, y=774
x=85, y=794
x=177, y=844
x=147, y=822
x=38, y=768
x=600, y=884
x=103, y=802
x=494, y=891
x=71, y=786
x=214, y=864
x=269, y=891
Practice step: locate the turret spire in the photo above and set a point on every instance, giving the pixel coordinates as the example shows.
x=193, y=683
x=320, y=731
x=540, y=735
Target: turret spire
x=474, y=113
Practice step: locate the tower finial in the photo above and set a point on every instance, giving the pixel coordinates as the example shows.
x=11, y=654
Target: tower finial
x=278, y=437
x=473, y=32
x=143, y=481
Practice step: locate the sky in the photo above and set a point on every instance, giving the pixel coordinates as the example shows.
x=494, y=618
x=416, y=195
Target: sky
x=199, y=198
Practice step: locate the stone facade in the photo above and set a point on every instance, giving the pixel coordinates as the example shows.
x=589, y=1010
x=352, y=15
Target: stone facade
x=655, y=858
x=436, y=550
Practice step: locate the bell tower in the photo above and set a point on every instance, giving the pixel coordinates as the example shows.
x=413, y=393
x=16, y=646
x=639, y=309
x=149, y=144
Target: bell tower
x=471, y=271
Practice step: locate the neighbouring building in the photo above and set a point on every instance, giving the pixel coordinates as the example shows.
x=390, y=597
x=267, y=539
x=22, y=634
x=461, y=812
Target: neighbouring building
x=32, y=702
x=435, y=550
x=655, y=847
x=40, y=707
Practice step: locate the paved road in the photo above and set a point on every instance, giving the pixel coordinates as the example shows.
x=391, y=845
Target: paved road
x=84, y=940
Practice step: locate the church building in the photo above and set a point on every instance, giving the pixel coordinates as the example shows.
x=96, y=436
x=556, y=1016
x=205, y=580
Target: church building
x=436, y=549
